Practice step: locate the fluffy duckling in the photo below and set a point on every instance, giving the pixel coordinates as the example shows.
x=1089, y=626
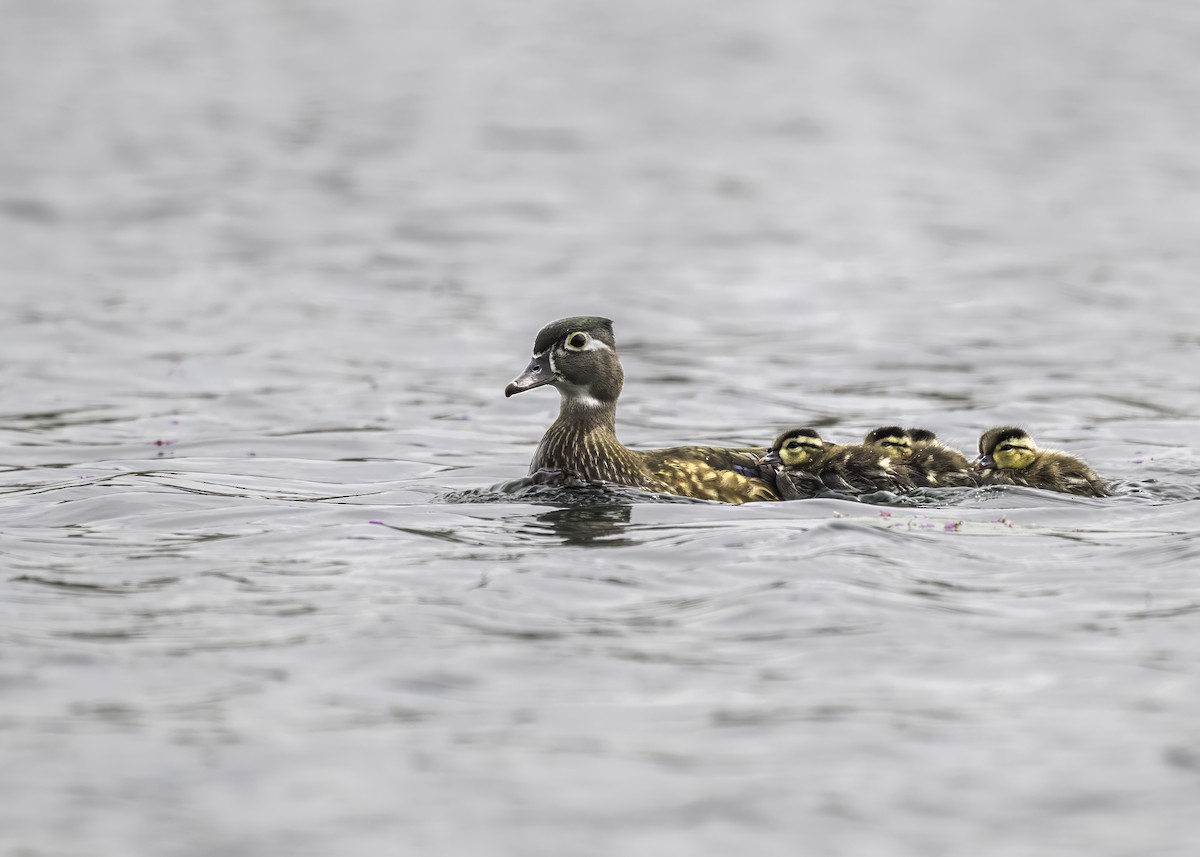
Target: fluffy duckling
x=578, y=356
x=937, y=465
x=795, y=462
x=807, y=464
x=931, y=464
x=892, y=440
x=1008, y=456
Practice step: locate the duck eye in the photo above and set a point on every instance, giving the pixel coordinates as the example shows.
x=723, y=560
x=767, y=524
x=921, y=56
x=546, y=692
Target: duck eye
x=577, y=341
x=792, y=444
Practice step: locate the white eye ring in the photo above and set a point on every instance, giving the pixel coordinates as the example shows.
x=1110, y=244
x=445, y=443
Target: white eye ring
x=577, y=341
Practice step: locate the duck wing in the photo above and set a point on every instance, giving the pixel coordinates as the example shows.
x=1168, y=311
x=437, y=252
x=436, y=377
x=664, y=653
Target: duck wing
x=711, y=473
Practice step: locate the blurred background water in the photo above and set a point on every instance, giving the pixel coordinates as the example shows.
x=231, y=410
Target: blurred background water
x=268, y=266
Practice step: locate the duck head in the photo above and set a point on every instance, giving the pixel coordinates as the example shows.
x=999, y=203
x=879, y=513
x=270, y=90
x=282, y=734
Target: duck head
x=1006, y=448
x=795, y=448
x=578, y=355
x=892, y=440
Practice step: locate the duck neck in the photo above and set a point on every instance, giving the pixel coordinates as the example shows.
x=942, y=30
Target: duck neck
x=583, y=441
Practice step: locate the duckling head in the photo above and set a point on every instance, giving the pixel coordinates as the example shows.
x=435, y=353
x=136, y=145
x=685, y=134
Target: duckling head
x=921, y=435
x=1006, y=448
x=795, y=448
x=578, y=355
x=892, y=440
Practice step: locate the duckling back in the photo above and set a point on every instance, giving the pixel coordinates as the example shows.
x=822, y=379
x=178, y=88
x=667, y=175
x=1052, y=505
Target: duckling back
x=863, y=469
x=936, y=465
x=1052, y=471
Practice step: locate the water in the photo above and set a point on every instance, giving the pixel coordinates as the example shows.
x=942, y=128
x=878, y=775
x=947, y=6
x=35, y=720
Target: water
x=267, y=269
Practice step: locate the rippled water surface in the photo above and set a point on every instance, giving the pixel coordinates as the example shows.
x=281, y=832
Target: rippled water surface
x=267, y=268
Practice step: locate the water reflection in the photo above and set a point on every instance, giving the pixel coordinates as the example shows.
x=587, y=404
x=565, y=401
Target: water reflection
x=593, y=526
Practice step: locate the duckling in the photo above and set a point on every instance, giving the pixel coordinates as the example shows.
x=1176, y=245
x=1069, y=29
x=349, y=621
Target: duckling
x=578, y=355
x=936, y=465
x=795, y=462
x=863, y=469
x=1008, y=456
x=891, y=440
x=810, y=464
x=930, y=463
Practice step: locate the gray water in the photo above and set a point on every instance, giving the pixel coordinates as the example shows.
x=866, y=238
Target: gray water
x=267, y=268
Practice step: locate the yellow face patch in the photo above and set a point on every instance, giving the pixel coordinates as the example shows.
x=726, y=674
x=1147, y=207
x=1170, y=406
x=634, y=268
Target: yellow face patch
x=1014, y=455
x=799, y=451
x=895, y=445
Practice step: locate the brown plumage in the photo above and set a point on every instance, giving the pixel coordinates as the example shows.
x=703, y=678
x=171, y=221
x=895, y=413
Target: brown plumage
x=1008, y=456
x=937, y=465
x=579, y=356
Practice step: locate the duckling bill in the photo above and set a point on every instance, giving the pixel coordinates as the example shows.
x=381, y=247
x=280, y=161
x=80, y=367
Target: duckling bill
x=578, y=356
x=1008, y=456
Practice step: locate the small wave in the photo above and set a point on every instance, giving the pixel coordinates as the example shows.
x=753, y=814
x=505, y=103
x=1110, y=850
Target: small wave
x=1152, y=489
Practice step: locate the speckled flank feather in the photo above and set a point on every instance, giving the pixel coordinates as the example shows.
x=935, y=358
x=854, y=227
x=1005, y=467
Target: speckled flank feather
x=710, y=473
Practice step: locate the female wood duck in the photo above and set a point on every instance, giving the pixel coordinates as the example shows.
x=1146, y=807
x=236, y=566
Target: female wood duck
x=807, y=465
x=1008, y=456
x=579, y=356
x=932, y=464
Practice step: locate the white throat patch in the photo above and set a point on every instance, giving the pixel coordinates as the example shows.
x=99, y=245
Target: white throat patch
x=578, y=394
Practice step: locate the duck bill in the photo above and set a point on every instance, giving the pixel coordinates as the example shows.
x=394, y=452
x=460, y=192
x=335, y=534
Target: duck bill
x=537, y=374
x=984, y=462
x=771, y=459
